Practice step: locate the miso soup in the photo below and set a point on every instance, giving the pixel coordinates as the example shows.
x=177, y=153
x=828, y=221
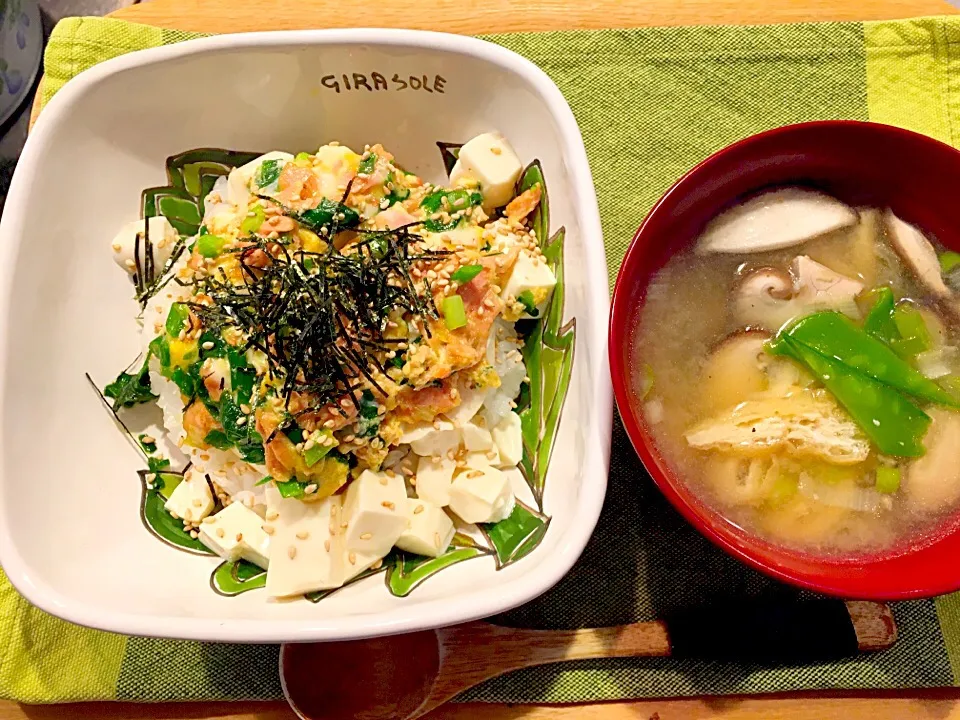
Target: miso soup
x=799, y=368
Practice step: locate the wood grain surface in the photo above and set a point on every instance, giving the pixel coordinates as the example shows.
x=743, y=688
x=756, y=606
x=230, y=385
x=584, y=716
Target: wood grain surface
x=473, y=17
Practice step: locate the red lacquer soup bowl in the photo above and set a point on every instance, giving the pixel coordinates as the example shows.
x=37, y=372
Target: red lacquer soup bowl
x=862, y=164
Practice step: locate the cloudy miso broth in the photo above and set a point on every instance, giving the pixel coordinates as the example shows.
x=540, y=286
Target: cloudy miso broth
x=804, y=380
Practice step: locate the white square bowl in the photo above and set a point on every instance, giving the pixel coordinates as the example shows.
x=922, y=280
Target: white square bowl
x=71, y=539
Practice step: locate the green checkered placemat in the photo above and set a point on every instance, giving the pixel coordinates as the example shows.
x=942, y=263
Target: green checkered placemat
x=681, y=93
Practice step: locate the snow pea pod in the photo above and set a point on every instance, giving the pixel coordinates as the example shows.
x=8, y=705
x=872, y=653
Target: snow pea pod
x=833, y=335
x=894, y=424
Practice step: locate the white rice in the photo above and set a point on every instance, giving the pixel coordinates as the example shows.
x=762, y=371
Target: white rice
x=503, y=353
x=225, y=467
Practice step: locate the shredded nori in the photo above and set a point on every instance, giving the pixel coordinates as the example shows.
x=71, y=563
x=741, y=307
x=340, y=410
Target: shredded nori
x=319, y=317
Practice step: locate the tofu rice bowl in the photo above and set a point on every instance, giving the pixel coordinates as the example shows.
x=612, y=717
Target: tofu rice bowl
x=338, y=355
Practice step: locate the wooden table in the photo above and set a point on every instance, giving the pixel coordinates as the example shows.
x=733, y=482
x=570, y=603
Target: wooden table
x=461, y=16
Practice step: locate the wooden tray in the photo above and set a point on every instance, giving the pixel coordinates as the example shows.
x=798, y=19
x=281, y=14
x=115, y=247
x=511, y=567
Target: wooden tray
x=490, y=16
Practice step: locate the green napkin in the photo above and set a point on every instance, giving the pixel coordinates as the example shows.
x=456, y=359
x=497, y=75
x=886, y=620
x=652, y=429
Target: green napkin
x=651, y=103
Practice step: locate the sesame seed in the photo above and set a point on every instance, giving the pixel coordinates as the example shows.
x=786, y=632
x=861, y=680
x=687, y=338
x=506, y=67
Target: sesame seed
x=329, y=423
x=344, y=526
x=209, y=520
x=273, y=515
x=377, y=565
x=352, y=558
x=291, y=552
x=326, y=545
x=475, y=474
x=388, y=505
x=268, y=529
x=303, y=535
x=207, y=345
x=366, y=536
x=418, y=509
x=383, y=481
x=436, y=539
x=239, y=537
x=220, y=532
x=197, y=502
x=496, y=150
x=194, y=534
x=116, y=247
x=241, y=421
x=311, y=488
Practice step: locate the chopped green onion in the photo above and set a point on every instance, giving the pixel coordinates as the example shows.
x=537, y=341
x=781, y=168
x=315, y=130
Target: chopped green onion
x=294, y=434
x=526, y=299
x=454, y=314
x=210, y=245
x=178, y=316
x=267, y=173
x=397, y=361
x=254, y=219
x=782, y=489
x=203, y=230
x=912, y=328
x=452, y=201
x=327, y=213
x=265, y=480
x=367, y=165
x=888, y=479
x=646, y=381
x=302, y=156
x=160, y=348
x=879, y=320
x=319, y=450
x=949, y=260
x=291, y=489
x=466, y=273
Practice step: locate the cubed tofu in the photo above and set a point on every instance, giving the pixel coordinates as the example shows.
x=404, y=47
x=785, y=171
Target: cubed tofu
x=306, y=547
x=191, y=500
x=434, y=477
x=508, y=437
x=471, y=399
x=488, y=160
x=531, y=275
x=273, y=498
x=355, y=562
x=482, y=495
x=481, y=460
x=127, y=248
x=336, y=165
x=237, y=532
x=430, y=529
x=429, y=439
x=373, y=511
x=476, y=438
